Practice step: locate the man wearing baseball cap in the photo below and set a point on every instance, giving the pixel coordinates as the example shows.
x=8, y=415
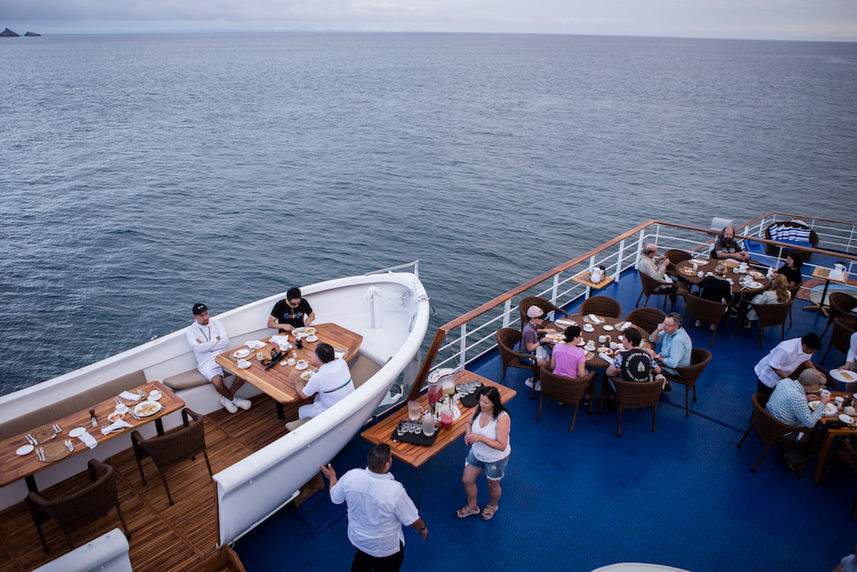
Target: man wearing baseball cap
x=207, y=337
x=530, y=341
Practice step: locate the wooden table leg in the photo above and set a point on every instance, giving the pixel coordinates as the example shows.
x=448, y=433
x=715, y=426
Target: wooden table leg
x=822, y=457
x=280, y=413
x=159, y=426
x=31, y=483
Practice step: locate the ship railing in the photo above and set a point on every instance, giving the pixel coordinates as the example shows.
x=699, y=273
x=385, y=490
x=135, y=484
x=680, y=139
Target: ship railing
x=472, y=334
x=415, y=264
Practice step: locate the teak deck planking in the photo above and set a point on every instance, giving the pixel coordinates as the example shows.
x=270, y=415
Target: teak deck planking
x=163, y=537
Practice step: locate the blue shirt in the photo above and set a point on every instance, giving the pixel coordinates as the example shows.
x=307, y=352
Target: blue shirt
x=788, y=404
x=675, y=348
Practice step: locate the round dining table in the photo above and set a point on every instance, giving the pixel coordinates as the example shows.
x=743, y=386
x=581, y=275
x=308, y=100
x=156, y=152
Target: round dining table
x=695, y=273
x=600, y=326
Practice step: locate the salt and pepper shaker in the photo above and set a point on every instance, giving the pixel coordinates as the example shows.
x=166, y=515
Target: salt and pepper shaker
x=93, y=417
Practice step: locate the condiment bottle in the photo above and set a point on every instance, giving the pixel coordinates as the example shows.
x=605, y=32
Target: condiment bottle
x=93, y=417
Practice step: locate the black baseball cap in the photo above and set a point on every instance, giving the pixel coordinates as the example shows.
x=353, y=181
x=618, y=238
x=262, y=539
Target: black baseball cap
x=199, y=309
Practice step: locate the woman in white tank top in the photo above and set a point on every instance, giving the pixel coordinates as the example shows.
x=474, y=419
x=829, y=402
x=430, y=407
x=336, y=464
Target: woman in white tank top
x=488, y=437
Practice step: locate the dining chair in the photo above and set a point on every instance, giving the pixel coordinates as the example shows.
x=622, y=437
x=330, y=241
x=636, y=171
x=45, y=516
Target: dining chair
x=707, y=311
x=636, y=395
x=675, y=256
x=546, y=305
x=771, y=315
x=848, y=455
x=601, y=306
x=507, y=338
x=566, y=390
x=80, y=507
x=649, y=287
x=688, y=374
x=646, y=318
x=769, y=429
x=794, y=292
x=173, y=447
x=843, y=328
x=841, y=304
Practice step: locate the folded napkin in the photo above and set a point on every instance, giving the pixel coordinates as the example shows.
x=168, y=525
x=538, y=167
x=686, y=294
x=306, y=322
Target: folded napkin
x=128, y=396
x=605, y=357
x=594, y=319
x=564, y=322
x=254, y=344
x=88, y=440
x=280, y=340
x=119, y=425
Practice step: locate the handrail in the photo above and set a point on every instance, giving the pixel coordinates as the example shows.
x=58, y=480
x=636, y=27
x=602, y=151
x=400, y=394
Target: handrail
x=443, y=330
x=775, y=213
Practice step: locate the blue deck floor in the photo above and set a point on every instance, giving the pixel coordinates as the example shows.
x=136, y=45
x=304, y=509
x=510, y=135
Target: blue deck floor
x=683, y=496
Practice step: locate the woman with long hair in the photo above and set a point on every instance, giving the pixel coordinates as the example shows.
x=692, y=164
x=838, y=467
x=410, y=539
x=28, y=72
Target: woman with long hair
x=778, y=293
x=488, y=436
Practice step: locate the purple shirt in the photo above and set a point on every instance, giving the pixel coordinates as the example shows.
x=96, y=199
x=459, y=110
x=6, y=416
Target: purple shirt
x=567, y=358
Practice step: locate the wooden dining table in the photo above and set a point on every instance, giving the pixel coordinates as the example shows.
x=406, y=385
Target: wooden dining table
x=832, y=432
x=686, y=271
x=277, y=381
x=14, y=467
x=593, y=360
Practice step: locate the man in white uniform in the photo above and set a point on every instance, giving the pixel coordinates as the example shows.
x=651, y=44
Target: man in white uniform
x=784, y=360
x=332, y=382
x=378, y=506
x=207, y=337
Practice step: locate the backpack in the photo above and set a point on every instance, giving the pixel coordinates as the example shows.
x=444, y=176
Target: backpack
x=636, y=365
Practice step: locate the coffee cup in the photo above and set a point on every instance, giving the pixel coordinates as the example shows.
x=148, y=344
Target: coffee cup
x=291, y=361
x=839, y=401
x=603, y=338
x=825, y=393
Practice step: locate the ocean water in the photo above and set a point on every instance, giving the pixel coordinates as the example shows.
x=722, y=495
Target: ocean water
x=143, y=173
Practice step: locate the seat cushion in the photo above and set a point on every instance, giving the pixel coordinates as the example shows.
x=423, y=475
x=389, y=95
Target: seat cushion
x=185, y=380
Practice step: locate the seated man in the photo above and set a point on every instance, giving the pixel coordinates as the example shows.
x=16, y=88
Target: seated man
x=633, y=363
x=784, y=359
x=530, y=343
x=293, y=312
x=207, y=338
x=727, y=247
x=655, y=268
x=332, y=382
x=672, y=345
x=788, y=404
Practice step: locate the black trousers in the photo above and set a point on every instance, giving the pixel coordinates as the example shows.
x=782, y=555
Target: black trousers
x=365, y=563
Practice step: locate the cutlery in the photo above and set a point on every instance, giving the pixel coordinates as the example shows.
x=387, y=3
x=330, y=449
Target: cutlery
x=116, y=401
x=57, y=428
x=41, y=452
x=31, y=440
x=140, y=393
x=69, y=445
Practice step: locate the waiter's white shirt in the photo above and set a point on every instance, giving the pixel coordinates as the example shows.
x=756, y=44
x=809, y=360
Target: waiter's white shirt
x=785, y=357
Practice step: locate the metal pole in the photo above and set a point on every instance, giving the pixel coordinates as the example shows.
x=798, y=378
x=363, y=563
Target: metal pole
x=619, y=262
x=463, y=343
x=555, y=289
x=507, y=310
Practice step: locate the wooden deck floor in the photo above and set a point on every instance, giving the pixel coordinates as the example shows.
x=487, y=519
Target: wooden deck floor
x=163, y=537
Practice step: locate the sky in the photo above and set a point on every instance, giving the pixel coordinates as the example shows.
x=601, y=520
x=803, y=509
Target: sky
x=825, y=20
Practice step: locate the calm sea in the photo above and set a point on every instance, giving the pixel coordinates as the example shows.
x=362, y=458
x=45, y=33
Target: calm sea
x=141, y=174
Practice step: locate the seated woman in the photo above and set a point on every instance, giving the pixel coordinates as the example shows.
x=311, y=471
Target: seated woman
x=715, y=287
x=569, y=360
x=778, y=293
x=791, y=269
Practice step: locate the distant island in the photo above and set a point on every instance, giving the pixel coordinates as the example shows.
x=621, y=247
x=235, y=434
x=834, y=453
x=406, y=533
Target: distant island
x=7, y=33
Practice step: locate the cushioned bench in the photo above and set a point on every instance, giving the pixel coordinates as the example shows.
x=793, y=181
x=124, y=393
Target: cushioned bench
x=791, y=232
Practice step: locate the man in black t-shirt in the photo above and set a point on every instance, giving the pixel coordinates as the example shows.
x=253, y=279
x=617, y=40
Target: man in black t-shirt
x=633, y=363
x=292, y=312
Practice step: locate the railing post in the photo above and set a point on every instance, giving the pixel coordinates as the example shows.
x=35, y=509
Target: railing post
x=462, y=359
x=619, y=262
x=507, y=311
x=850, y=239
x=639, y=249
x=657, y=234
x=761, y=227
x=591, y=267
x=555, y=289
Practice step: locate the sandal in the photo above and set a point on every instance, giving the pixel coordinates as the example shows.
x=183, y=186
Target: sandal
x=488, y=511
x=467, y=511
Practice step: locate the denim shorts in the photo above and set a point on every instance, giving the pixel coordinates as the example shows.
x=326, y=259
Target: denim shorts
x=493, y=471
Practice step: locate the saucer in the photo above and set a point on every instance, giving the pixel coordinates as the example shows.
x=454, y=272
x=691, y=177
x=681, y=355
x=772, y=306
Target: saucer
x=21, y=451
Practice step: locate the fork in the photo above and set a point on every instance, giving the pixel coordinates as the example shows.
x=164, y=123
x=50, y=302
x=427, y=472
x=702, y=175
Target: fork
x=57, y=428
x=31, y=440
x=41, y=453
x=69, y=445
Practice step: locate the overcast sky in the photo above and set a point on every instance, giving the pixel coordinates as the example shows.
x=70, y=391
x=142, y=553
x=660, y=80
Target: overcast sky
x=761, y=19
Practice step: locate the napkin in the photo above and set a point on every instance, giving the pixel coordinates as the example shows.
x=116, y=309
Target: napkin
x=281, y=341
x=605, y=357
x=128, y=396
x=254, y=344
x=564, y=322
x=594, y=319
x=116, y=426
x=88, y=440
x=668, y=280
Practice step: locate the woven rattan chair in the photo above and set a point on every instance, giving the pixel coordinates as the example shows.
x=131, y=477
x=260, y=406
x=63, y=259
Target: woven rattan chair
x=172, y=448
x=841, y=304
x=566, y=390
x=78, y=508
x=546, y=305
x=771, y=315
x=707, y=311
x=843, y=327
x=649, y=287
x=794, y=291
x=635, y=395
x=688, y=374
x=769, y=429
x=601, y=306
x=675, y=256
x=646, y=318
x=507, y=338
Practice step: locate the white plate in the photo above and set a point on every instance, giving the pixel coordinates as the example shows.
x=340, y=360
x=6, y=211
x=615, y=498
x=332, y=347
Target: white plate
x=581, y=343
x=843, y=375
x=307, y=374
x=115, y=416
x=607, y=327
x=154, y=395
x=242, y=353
x=244, y=364
x=312, y=338
x=147, y=408
x=26, y=449
x=842, y=417
x=831, y=408
x=301, y=365
x=77, y=432
x=339, y=353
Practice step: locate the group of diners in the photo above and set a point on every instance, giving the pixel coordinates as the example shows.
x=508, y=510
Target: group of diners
x=331, y=382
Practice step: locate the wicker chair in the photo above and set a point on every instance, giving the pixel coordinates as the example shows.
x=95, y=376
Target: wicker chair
x=566, y=390
x=601, y=306
x=841, y=304
x=649, y=287
x=707, y=311
x=794, y=292
x=676, y=256
x=769, y=429
x=172, y=448
x=843, y=327
x=771, y=315
x=646, y=318
x=546, y=305
x=506, y=340
x=80, y=507
x=699, y=359
x=635, y=395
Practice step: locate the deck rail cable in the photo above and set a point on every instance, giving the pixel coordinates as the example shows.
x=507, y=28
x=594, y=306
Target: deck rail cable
x=476, y=328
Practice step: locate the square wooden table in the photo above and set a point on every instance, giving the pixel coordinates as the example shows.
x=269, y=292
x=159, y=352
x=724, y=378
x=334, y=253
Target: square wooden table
x=583, y=278
x=417, y=455
x=14, y=467
x=823, y=273
x=830, y=433
x=277, y=381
